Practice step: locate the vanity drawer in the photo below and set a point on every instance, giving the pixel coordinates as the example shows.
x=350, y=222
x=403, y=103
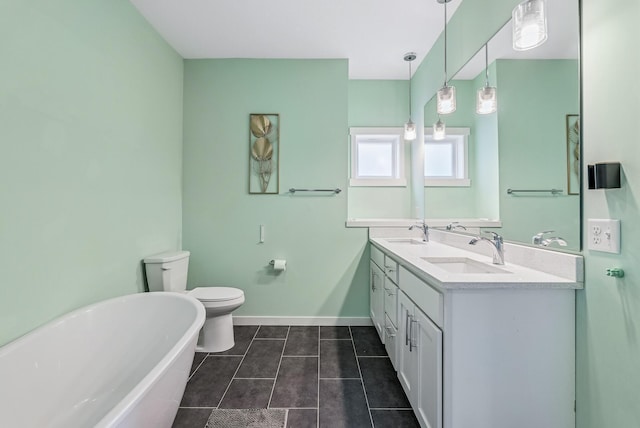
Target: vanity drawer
x=377, y=256
x=426, y=298
x=390, y=336
x=391, y=268
x=391, y=301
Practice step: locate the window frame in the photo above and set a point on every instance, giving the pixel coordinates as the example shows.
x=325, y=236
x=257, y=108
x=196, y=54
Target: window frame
x=396, y=138
x=461, y=166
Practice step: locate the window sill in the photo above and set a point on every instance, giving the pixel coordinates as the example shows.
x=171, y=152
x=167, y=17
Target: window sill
x=447, y=182
x=365, y=182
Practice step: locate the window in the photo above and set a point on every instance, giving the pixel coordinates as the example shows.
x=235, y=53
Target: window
x=377, y=157
x=446, y=161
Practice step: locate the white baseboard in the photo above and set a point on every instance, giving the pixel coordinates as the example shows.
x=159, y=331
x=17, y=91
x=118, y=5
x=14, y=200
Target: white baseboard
x=355, y=321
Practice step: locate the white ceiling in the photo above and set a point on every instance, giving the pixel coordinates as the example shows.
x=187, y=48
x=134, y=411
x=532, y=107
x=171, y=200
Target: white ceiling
x=373, y=35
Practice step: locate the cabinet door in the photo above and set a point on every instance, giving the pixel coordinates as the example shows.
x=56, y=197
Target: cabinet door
x=376, y=299
x=407, y=358
x=427, y=338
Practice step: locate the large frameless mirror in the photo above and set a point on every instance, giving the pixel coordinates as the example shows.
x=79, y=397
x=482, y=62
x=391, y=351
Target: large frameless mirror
x=523, y=160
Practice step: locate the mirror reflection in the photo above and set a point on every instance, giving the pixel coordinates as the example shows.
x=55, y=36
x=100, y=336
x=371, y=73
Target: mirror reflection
x=522, y=161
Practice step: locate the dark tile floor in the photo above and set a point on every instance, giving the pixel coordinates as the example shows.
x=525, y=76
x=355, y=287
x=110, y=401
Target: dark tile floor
x=326, y=376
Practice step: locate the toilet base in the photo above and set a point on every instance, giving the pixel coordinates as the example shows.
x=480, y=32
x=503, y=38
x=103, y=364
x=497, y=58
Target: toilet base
x=216, y=334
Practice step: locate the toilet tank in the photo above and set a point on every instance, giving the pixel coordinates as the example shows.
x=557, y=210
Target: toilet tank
x=167, y=271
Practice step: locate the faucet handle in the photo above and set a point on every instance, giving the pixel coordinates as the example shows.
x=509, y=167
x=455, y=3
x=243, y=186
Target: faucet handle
x=455, y=225
x=494, y=235
x=538, y=237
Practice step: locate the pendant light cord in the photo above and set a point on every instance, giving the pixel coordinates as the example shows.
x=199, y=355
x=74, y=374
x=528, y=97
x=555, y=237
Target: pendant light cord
x=445, y=43
x=486, y=64
x=409, y=90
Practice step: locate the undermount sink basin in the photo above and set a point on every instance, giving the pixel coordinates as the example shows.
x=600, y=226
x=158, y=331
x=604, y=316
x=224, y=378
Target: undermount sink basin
x=463, y=265
x=410, y=241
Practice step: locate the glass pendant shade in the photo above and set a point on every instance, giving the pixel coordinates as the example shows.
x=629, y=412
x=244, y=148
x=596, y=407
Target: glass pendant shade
x=487, y=100
x=529, y=25
x=439, y=130
x=409, y=131
x=446, y=100
x=409, y=127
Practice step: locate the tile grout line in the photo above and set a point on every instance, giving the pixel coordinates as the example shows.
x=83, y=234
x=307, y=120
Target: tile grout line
x=392, y=408
x=272, y=338
x=196, y=369
x=275, y=379
x=364, y=391
x=340, y=378
x=296, y=408
x=238, y=368
x=300, y=356
x=253, y=378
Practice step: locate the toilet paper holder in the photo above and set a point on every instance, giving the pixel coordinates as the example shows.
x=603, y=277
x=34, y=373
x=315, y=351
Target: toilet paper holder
x=278, y=265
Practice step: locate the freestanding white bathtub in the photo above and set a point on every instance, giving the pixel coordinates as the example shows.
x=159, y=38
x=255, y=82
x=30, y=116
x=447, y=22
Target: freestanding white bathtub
x=123, y=362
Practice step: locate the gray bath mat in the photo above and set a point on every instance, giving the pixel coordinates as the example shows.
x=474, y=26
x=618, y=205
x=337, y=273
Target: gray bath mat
x=247, y=418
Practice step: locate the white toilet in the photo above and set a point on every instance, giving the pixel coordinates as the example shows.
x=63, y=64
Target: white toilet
x=168, y=272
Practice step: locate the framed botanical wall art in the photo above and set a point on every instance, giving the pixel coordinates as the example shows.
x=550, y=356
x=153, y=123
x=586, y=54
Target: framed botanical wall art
x=573, y=154
x=264, y=150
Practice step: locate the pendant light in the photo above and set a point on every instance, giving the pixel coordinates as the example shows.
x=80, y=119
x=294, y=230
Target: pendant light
x=439, y=130
x=446, y=97
x=529, y=25
x=409, y=127
x=487, y=99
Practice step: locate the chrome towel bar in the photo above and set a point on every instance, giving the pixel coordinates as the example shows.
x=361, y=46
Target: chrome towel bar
x=552, y=191
x=336, y=190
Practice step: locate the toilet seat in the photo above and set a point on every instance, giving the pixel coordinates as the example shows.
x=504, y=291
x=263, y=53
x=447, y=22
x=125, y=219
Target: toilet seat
x=216, y=294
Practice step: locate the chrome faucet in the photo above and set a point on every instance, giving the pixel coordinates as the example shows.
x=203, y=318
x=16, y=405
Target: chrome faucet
x=455, y=225
x=425, y=230
x=539, y=239
x=497, y=244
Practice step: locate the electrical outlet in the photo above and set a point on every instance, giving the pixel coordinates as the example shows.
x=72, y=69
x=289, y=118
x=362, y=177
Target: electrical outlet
x=603, y=235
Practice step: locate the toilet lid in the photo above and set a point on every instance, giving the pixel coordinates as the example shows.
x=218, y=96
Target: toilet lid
x=216, y=294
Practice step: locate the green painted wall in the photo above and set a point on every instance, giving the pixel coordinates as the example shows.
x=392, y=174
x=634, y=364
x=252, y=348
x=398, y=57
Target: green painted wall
x=327, y=270
x=90, y=128
x=379, y=103
x=534, y=98
x=487, y=159
x=608, y=310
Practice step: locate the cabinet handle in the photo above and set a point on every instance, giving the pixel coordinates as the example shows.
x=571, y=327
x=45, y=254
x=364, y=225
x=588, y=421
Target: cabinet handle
x=390, y=332
x=411, y=334
x=411, y=343
x=373, y=281
x=406, y=329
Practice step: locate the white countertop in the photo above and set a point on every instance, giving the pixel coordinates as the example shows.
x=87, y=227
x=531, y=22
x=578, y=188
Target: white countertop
x=515, y=276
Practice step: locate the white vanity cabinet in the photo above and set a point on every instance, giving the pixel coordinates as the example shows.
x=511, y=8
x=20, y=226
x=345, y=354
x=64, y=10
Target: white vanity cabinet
x=482, y=357
x=420, y=362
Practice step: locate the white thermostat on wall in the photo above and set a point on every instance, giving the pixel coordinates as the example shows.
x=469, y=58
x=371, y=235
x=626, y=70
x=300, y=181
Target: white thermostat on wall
x=603, y=235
